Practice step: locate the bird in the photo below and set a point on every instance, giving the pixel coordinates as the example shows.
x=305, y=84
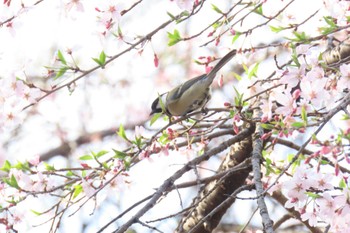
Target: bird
x=191, y=95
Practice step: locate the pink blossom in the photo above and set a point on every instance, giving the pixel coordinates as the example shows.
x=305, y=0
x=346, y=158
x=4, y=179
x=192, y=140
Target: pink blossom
x=185, y=4
x=294, y=202
x=31, y=94
x=266, y=108
x=303, y=49
x=288, y=104
x=315, y=73
x=327, y=206
x=76, y=4
x=314, y=92
x=293, y=76
x=139, y=130
x=35, y=160
x=344, y=81
x=40, y=182
x=88, y=189
x=311, y=217
x=338, y=9
x=323, y=181
x=303, y=103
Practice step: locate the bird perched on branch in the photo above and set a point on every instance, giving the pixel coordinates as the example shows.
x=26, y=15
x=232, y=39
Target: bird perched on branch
x=190, y=95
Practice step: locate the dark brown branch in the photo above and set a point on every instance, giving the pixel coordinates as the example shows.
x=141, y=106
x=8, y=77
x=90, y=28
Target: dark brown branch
x=168, y=183
x=205, y=215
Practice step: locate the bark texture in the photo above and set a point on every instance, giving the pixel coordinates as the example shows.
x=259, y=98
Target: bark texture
x=216, y=192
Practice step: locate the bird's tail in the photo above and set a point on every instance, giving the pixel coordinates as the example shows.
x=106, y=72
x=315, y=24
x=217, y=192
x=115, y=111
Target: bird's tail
x=211, y=75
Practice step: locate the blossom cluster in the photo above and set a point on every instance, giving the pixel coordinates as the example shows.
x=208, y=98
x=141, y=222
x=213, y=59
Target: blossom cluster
x=313, y=195
x=15, y=94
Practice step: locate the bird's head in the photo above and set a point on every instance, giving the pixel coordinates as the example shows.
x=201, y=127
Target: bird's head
x=158, y=104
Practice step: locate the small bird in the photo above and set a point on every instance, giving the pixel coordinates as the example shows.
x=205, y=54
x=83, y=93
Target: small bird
x=190, y=95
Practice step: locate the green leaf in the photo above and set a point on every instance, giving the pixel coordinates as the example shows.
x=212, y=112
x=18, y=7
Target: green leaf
x=296, y=60
x=6, y=166
x=259, y=10
x=342, y=184
x=121, y=132
x=69, y=173
x=86, y=157
x=299, y=37
x=77, y=190
x=171, y=15
x=237, y=76
x=276, y=29
x=127, y=162
x=330, y=21
x=155, y=118
x=174, y=37
x=119, y=154
x=236, y=36
x=267, y=126
x=49, y=167
x=61, y=57
x=36, y=212
x=238, y=98
x=11, y=182
x=22, y=166
x=304, y=115
x=313, y=195
x=253, y=71
x=61, y=72
x=103, y=57
x=105, y=165
x=298, y=125
x=215, y=8
x=164, y=138
x=120, y=33
x=101, y=60
x=332, y=26
x=101, y=153
x=137, y=142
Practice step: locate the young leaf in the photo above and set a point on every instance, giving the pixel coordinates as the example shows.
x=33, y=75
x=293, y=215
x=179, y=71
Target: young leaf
x=253, y=71
x=174, y=37
x=49, y=167
x=238, y=98
x=304, y=115
x=170, y=15
x=36, y=212
x=101, y=60
x=259, y=10
x=236, y=36
x=11, y=182
x=215, y=8
x=101, y=153
x=6, y=166
x=298, y=125
x=77, y=190
x=85, y=157
x=61, y=72
x=155, y=118
x=276, y=29
x=119, y=154
x=121, y=133
x=103, y=57
x=61, y=57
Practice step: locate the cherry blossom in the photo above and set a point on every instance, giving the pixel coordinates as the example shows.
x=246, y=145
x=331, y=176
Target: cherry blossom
x=344, y=80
